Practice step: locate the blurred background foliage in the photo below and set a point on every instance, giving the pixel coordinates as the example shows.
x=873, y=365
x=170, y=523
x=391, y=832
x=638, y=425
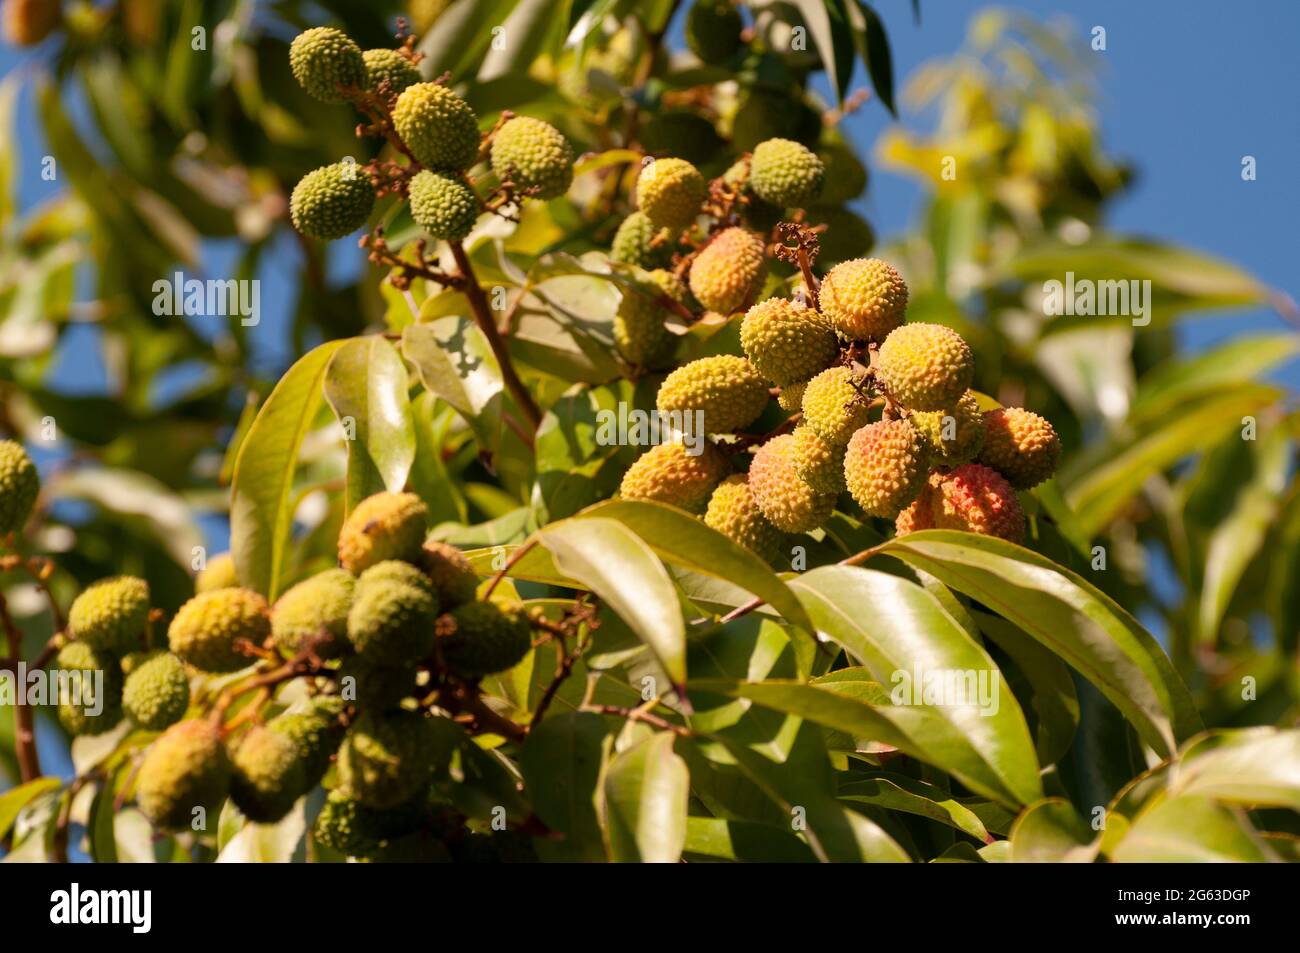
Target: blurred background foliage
x=178, y=132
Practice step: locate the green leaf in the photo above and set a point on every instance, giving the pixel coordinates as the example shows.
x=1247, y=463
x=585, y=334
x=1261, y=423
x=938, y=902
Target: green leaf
x=828, y=23
x=1069, y=615
x=14, y=800
x=461, y=36
x=1256, y=767
x=261, y=511
x=647, y=789
x=1238, y=362
x=620, y=568
x=454, y=361
x=896, y=792
x=562, y=762
x=717, y=838
x=103, y=838
x=683, y=540
x=365, y=384
x=907, y=639
x=873, y=46
x=1183, y=830
x=1051, y=831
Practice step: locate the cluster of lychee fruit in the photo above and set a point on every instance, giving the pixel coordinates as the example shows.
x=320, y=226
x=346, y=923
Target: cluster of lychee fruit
x=435, y=129
x=879, y=408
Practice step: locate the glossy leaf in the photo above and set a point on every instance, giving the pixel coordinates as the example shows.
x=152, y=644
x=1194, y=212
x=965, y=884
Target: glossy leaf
x=1181, y=830
x=646, y=792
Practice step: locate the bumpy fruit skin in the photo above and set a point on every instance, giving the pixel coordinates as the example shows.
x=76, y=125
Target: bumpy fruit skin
x=110, y=615
x=865, y=299
x=954, y=435
x=785, y=173
x=187, y=767
x=219, y=573
x=324, y=58
x=729, y=271
x=332, y=201
x=375, y=687
x=639, y=330
x=669, y=473
x=387, y=759
x=833, y=407
x=713, y=30
x=846, y=176
x=787, y=343
x=818, y=463
x=438, y=127
x=482, y=638
x=454, y=580
x=978, y=500
x=157, y=690
x=391, y=620
x=346, y=825
x=316, y=734
x=533, y=155
x=82, y=691
x=791, y=396
x=267, y=775
x=632, y=243
x=443, y=205
x=670, y=192
x=381, y=527
x=885, y=467
x=392, y=66
x=787, y=501
x=19, y=485
x=728, y=390
x=315, y=611
x=734, y=513
x=925, y=366
x=1020, y=445
x=205, y=630
x=917, y=515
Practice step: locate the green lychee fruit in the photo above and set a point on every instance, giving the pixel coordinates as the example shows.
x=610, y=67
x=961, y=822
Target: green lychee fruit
x=534, y=155
x=19, y=486
x=386, y=759
x=438, y=127
x=713, y=30
x=846, y=176
x=670, y=192
x=324, y=59
x=317, y=734
x=482, y=638
x=818, y=463
x=847, y=235
x=332, y=201
x=89, y=688
x=389, y=66
x=205, y=631
x=382, y=527
x=267, y=775
x=110, y=615
x=833, y=405
x=639, y=242
x=954, y=435
x=157, y=690
x=785, y=173
x=315, y=613
x=728, y=390
x=185, y=769
x=454, y=580
x=787, y=343
x=639, y=330
x=443, y=205
x=375, y=687
x=391, y=620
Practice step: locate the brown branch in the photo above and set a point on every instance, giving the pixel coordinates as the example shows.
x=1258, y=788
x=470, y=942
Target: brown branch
x=639, y=714
x=517, y=555
x=753, y=604
x=483, y=317
x=29, y=762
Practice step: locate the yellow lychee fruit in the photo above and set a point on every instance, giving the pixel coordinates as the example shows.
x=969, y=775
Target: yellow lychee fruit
x=1020, y=445
x=977, y=499
x=786, y=500
x=206, y=630
x=381, y=527
x=864, y=298
x=639, y=330
x=791, y=396
x=729, y=271
x=219, y=573
x=533, y=155
x=785, y=173
x=786, y=343
x=885, y=467
x=438, y=127
x=324, y=61
x=671, y=473
x=925, y=366
x=670, y=192
x=833, y=405
x=818, y=463
x=184, y=770
x=19, y=486
x=727, y=390
x=110, y=615
x=954, y=435
x=734, y=513
x=314, y=612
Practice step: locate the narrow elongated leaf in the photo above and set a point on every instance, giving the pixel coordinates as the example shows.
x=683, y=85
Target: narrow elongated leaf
x=682, y=540
x=14, y=800
x=1070, y=616
x=879, y=60
x=1236, y=362
x=365, y=384
x=1183, y=830
x=828, y=23
x=617, y=565
x=261, y=513
x=897, y=792
x=907, y=640
x=1255, y=767
x=647, y=789
x=718, y=838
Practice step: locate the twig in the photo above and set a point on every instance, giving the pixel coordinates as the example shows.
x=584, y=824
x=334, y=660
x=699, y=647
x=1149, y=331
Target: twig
x=500, y=574
x=29, y=762
x=639, y=714
x=753, y=604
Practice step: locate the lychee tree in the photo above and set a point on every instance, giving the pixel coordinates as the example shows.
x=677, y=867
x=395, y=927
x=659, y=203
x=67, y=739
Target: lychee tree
x=655, y=515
